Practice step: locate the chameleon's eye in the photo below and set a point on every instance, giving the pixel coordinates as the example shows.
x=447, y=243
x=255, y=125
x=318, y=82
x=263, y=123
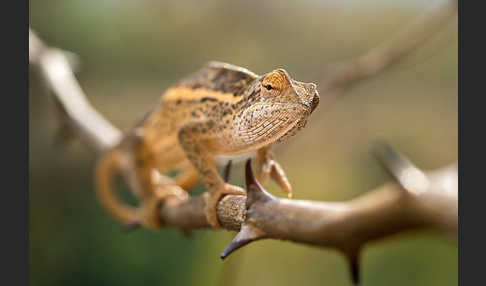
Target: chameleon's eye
x=276, y=80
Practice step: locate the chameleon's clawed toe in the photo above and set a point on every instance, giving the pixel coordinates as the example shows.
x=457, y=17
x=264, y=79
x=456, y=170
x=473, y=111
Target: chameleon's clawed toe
x=213, y=198
x=272, y=169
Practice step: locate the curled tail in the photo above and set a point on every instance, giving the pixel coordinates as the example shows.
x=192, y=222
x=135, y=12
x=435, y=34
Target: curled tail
x=106, y=170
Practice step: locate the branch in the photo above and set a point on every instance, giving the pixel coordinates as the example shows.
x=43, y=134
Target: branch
x=389, y=53
x=77, y=113
x=419, y=200
x=343, y=225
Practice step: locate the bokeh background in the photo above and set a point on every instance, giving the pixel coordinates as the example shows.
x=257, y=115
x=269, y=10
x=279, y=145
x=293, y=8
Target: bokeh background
x=130, y=51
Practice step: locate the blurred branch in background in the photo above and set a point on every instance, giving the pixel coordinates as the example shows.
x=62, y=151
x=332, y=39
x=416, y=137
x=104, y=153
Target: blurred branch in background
x=421, y=199
x=389, y=53
x=76, y=112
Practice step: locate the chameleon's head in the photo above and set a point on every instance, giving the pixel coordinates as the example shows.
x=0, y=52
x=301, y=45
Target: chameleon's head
x=277, y=107
x=278, y=86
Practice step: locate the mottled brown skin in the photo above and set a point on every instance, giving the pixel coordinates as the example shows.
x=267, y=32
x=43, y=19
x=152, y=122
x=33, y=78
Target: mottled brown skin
x=221, y=110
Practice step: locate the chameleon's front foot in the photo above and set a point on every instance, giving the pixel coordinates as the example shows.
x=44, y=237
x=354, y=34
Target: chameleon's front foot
x=270, y=168
x=212, y=197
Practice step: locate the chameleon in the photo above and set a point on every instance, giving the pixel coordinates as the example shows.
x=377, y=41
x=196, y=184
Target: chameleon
x=221, y=111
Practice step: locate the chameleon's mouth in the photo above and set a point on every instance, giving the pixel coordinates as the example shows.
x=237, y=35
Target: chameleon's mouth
x=315, y=101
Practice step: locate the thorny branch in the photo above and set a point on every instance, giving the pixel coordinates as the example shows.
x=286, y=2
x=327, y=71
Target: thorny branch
x=419, y=199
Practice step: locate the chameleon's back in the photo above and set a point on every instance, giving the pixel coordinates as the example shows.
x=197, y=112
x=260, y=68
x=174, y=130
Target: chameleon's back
x=210, y=93
x=219, y=77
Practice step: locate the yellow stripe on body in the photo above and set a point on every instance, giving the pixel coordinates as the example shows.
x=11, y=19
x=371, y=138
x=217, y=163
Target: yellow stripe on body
x=187, y=94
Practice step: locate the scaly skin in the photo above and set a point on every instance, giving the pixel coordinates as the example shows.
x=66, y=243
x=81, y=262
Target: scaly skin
x=221, y=110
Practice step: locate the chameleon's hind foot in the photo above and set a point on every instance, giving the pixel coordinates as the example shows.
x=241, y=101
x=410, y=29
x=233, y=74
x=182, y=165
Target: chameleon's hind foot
x=150, y=210
x=212, y=198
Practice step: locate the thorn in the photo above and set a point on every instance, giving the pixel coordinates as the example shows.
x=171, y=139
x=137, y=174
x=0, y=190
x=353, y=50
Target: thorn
x=249, y=177
x=354, y=268
x=389, y=157
x=255, y=191
x=227, y=171
x=401, y=168
x=131, y=226
x=247, y=234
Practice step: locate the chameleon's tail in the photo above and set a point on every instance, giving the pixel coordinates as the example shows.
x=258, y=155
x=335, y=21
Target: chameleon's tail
x=108, y=167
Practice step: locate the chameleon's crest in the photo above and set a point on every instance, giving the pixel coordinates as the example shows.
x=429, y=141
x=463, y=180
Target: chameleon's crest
x=220, y=77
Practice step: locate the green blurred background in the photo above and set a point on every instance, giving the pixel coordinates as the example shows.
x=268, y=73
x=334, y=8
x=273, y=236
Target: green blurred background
x=130, y=51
